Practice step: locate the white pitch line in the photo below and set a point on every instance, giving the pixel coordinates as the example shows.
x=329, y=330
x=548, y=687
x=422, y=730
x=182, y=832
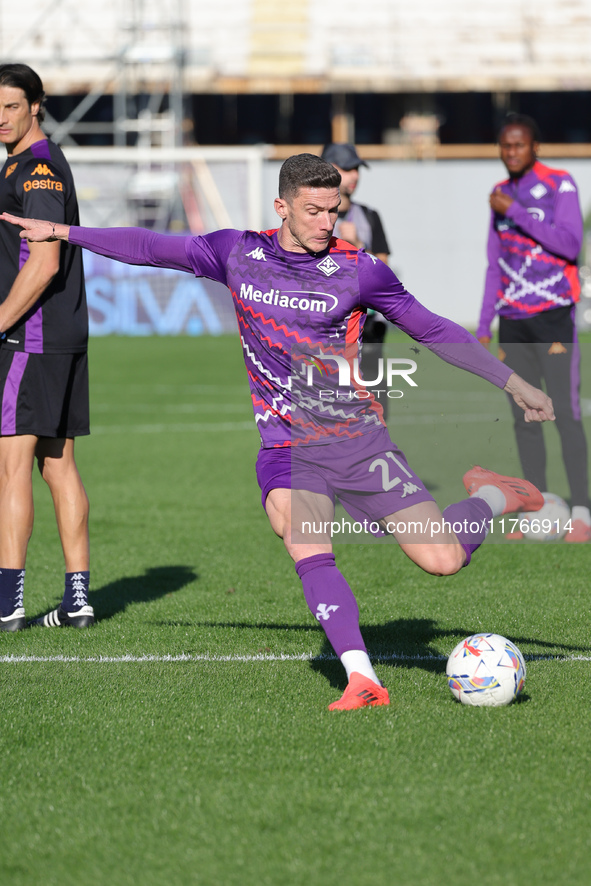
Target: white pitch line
x=304, y=656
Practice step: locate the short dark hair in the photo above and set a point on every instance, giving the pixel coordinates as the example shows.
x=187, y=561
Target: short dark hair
x=306, y=171
x=23, y=77
x=525, y=122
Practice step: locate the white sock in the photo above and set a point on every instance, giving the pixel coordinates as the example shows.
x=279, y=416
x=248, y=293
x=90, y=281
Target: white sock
x=579, y=512
x=357, y=660
x=494, y=498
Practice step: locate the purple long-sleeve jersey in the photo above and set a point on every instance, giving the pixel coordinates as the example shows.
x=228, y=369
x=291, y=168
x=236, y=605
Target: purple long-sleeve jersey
x=295, y=311
x=533, y=249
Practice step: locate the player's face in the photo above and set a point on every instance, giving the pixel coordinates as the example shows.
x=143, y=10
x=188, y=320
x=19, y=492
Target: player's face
x=308, y=219
x=349, y=180
x=17, y=118
x=518, y=149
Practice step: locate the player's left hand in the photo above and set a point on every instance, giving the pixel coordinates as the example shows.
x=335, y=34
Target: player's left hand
x=499, y=201
x=34, y=229
x=536, y=405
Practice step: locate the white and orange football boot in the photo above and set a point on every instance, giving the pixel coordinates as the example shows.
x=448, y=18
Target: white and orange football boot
x=520, y=495
x=360, y=693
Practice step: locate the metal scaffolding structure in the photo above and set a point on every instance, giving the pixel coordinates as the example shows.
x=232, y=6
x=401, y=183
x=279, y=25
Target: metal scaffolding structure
x=153, y=43
x=144, y=73
x=145, y=77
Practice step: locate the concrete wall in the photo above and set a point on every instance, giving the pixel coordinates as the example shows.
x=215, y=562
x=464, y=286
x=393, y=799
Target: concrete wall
x=436, y=220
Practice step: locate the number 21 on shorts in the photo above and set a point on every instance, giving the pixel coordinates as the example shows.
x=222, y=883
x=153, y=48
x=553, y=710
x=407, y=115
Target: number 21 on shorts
x=389, y=482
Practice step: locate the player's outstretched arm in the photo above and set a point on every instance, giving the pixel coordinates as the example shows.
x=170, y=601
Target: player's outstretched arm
x=37, y=231
x=536, y=405
x=134, y=246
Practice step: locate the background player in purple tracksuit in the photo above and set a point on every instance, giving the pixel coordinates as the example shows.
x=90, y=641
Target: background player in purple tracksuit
x=43, y=362
x=300, y=298
x=532, y=283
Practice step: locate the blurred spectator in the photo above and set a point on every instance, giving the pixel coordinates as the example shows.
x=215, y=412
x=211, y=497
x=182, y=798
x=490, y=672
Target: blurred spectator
x=362, y=227
x=532, y=283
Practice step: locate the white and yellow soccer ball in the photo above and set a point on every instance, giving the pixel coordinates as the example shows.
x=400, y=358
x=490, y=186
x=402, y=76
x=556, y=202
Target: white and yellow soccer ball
x=550, y=523
x=486, y=670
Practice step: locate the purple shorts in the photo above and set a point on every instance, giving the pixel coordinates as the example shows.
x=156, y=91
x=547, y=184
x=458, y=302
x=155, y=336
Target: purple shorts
x=368, y=474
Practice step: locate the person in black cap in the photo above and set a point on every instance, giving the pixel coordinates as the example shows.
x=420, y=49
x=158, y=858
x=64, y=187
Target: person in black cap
x=361, y=226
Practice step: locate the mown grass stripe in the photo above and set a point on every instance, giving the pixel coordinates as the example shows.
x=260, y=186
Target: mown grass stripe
x=176, y=428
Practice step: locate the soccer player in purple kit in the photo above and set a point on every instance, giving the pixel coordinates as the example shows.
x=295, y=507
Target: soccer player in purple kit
x=300, y=297
x=532, y=283
x=43, y=362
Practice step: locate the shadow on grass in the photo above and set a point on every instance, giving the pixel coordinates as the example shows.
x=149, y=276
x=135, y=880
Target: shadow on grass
x=154, y=583
x=412, y=643
x=404, y=643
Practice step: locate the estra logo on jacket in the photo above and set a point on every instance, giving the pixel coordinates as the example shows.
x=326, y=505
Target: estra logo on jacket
x=42, y=184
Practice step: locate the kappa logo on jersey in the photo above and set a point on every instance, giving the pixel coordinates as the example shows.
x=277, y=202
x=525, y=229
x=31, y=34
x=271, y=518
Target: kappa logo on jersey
x=42, y=169
x=323, y=611
x=409, y=488
x=566, y=186
x=538, y=191
x=257, y=254
x=328, y=266
x=10, y=169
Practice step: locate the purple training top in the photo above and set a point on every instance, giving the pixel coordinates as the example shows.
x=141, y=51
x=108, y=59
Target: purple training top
x=533, y=249
x=295, y=311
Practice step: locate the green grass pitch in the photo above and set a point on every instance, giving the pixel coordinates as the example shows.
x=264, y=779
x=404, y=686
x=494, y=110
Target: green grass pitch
x=186, y=739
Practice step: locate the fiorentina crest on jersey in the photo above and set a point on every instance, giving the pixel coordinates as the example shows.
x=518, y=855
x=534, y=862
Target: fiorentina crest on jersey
x=328, y=266
x=538, y=191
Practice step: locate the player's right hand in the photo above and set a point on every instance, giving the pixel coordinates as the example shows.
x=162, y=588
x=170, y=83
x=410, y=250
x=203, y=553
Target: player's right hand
x=34, y=229
x=499, y=201
x=536, y=404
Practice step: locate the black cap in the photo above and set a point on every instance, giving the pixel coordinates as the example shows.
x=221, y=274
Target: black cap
x=344, y=156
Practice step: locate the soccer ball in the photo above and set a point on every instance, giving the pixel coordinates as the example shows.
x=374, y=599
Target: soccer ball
x=549, y=523
x=486, y=670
